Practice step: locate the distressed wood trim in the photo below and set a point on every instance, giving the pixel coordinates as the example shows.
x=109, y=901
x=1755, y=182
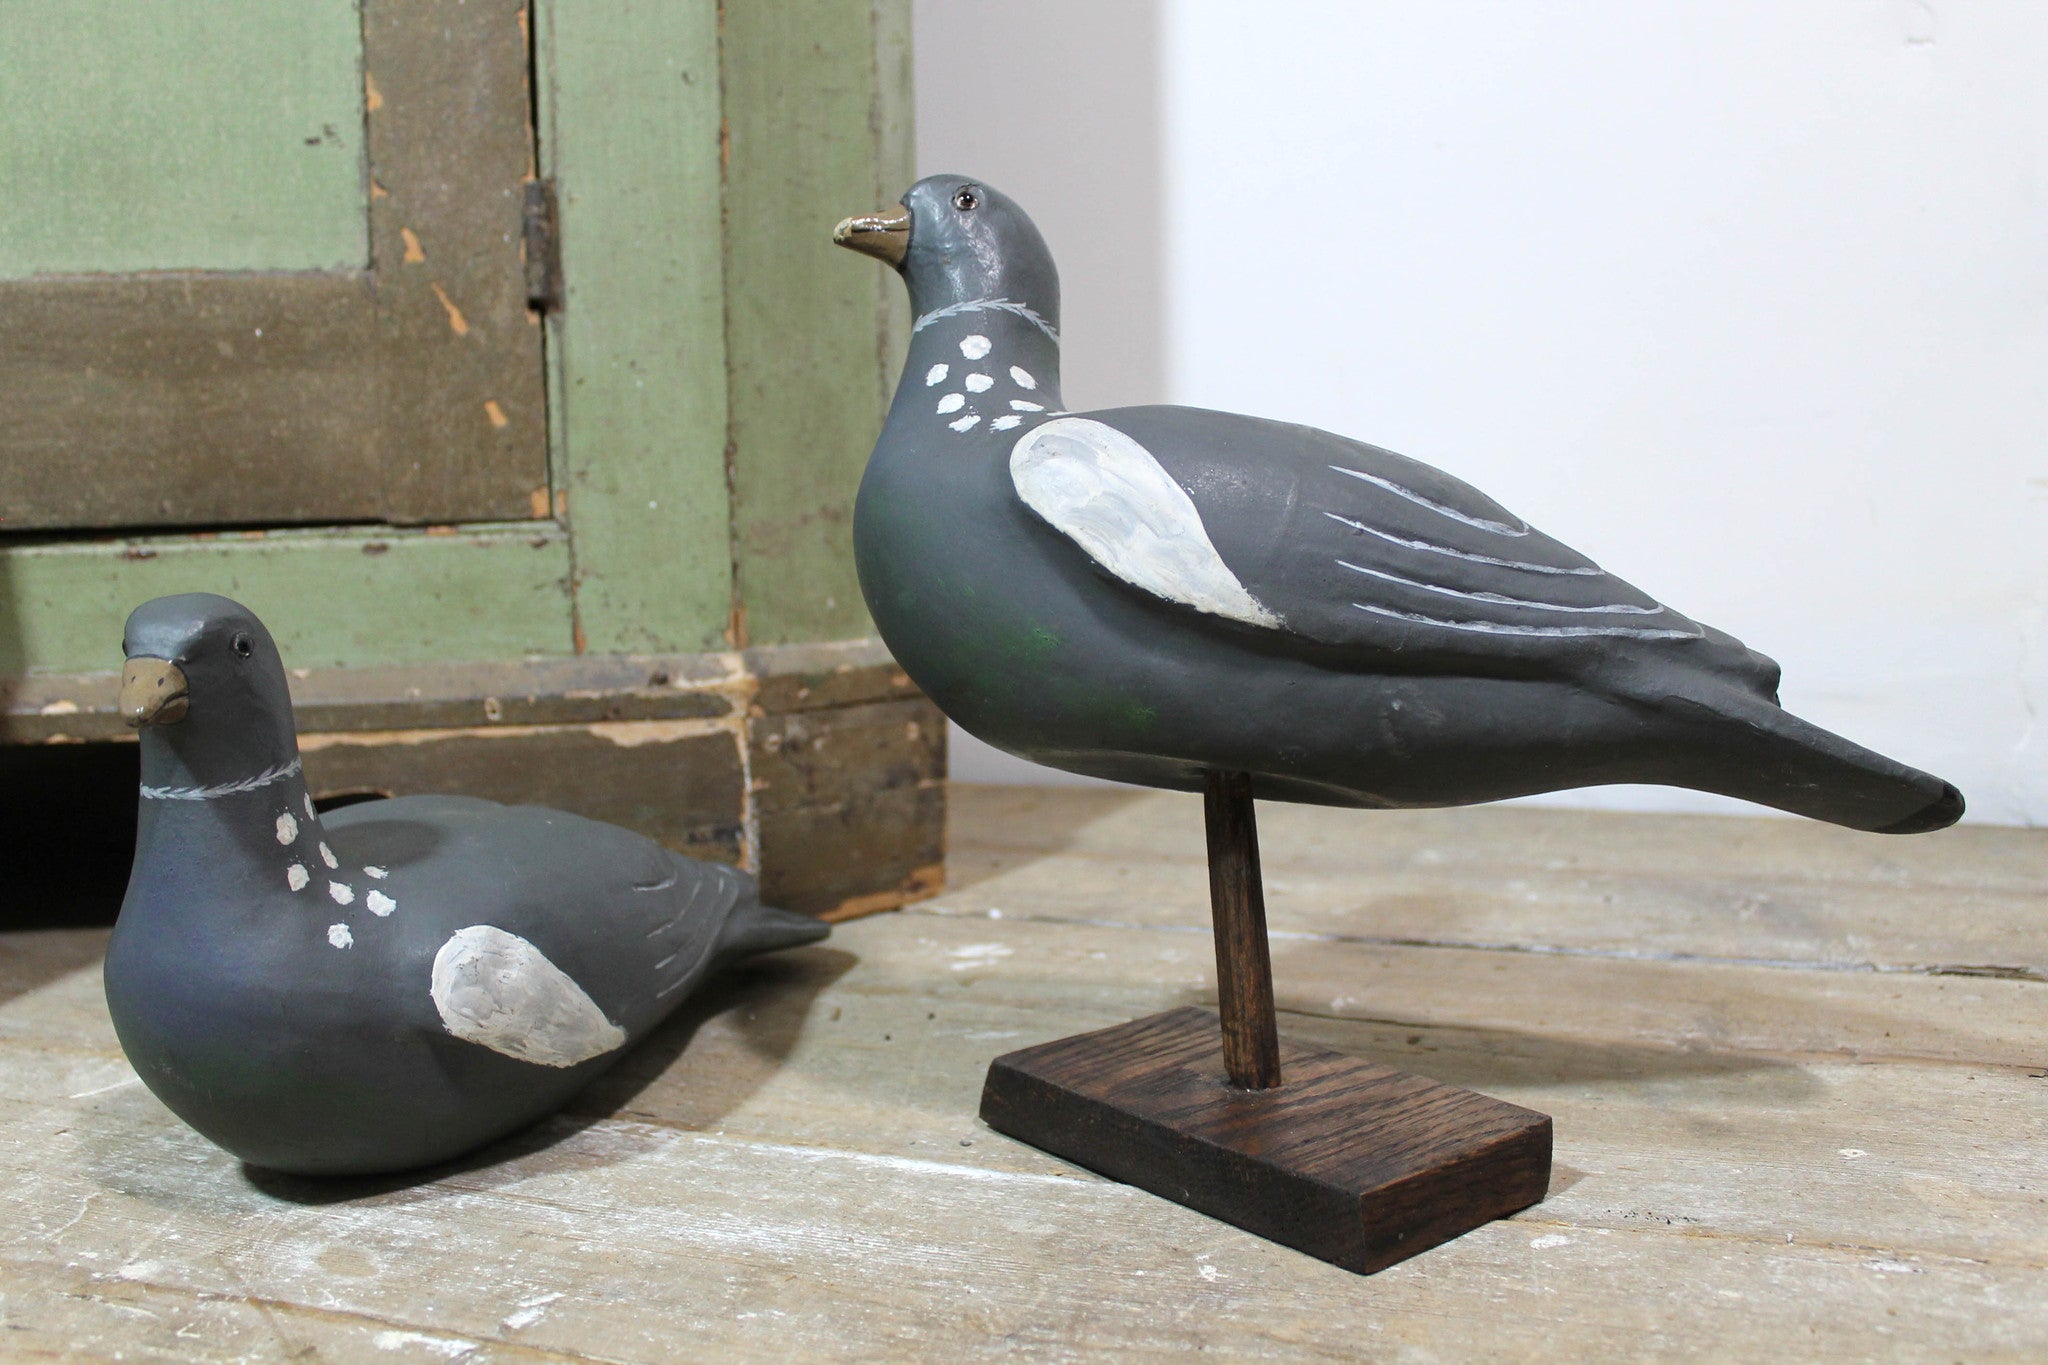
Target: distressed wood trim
x=44, y=708
x=806, y=392
x=409, y=393
x=820, y=766
x=451, y=146
x=630, y=106
x=361, y=596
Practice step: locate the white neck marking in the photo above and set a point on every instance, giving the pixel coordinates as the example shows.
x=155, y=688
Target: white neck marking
x=987, y=306
x=247, y=784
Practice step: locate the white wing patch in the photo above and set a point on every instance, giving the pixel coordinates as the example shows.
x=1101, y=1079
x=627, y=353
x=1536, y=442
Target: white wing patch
x=498, y=990
x=1107, y=494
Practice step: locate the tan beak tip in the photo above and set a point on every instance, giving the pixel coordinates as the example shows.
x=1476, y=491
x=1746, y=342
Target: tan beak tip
x=885, y=236
x=153, y=692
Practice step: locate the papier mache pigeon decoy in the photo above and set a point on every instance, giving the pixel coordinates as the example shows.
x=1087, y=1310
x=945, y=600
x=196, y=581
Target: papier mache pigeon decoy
x=392, y=983
x=1147, y=593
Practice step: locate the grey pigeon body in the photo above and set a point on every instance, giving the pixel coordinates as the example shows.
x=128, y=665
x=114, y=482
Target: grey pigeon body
x=1147, y=593
x=396, y=982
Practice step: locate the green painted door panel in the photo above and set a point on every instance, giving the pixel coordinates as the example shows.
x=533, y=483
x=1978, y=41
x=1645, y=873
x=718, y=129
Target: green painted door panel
x=335, y=597
x=196, y=373
x=818, y=125
x=136, y=136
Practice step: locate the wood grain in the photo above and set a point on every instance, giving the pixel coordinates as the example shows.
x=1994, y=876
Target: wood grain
x=281, y=397
x=1359, y=1165
x=1653, y=887
x=352, y=596
x=1237, y=910
x=1755, y=1158
x=822, y=771
x=222, y=138
x=808, y=382
x=630, y=113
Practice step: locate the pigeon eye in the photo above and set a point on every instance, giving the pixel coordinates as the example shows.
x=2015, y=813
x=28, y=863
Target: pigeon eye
x=240, y=644
x=966, y=200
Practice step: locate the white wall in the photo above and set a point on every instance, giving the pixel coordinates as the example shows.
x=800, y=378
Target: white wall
x=1747, y=300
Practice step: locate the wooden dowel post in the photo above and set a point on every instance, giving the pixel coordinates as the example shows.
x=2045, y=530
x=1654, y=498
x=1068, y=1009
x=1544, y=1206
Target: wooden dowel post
x=1237, y=903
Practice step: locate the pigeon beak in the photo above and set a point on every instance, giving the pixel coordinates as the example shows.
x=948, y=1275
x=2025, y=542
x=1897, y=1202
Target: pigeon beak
x=153, y=693
x=885, y=236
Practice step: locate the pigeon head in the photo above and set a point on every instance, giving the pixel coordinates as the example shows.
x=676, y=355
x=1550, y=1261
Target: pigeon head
x=203, y=680
x=958, y=240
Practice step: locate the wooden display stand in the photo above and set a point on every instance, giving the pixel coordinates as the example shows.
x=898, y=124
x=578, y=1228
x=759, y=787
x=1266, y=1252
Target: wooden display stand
x=1353, y=1162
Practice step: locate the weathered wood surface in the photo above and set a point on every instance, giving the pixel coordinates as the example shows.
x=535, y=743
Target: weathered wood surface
x=808, y=95
x=1763, y=1151
x=228, y=137
x=819, y=766
x=406, y=385
x=353, y=596
x=629, y=131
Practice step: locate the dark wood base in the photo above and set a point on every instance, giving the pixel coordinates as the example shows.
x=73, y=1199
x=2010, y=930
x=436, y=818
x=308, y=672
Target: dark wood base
x=1352, y=1162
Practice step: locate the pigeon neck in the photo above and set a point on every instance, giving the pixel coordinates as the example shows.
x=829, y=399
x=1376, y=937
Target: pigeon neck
x=244, y=785
x=988, y=358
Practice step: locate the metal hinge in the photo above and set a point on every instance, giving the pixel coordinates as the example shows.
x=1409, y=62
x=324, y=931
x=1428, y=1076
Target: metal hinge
x=543, y=240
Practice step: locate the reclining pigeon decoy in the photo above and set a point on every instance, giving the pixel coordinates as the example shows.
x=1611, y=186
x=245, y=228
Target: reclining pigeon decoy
x=392, y=983
x=1149, y=593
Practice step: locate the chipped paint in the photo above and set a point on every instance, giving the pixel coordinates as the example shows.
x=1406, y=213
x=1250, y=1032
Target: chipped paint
x=496, y=414
x=922, y=884
x=373, y=98
x=626, y=734
x=413, y=255
x=457, y=323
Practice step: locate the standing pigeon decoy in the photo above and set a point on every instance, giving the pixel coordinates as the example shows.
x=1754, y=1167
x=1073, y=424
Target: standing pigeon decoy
x=393, y=983
x=1149, y=593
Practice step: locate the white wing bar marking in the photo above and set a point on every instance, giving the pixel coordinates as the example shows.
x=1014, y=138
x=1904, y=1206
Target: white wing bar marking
x=1549, y=632
x=1620, y=608
x=496, y=989
x=1433, y=548
x=1106, y=493
x=1499, y=528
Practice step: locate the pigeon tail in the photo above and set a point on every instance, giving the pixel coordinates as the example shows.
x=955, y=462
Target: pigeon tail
x=1749, y=747
x=756, y=928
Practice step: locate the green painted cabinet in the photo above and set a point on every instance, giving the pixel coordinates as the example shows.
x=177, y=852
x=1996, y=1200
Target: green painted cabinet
x=498, y=358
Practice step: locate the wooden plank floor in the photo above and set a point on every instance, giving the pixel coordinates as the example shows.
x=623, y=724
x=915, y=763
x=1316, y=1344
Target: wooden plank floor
x=1799, y=1077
